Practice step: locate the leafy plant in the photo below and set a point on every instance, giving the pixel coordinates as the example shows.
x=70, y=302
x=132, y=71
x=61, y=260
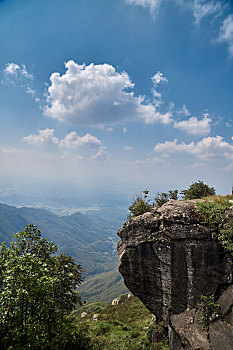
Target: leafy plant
x=37, y=294
x=163, y=197
x=208, y=308
x=212, y=213
x=140, y=204
x=226, y=237
x=198, y=190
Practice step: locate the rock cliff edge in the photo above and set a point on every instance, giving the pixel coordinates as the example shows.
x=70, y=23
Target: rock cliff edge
x=169, y=260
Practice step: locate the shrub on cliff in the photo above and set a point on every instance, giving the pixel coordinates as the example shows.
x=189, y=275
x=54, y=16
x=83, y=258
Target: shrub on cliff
x=198, y=190
x=212, y=213
x=37, y=294
x=140, y=204
x=163, y=197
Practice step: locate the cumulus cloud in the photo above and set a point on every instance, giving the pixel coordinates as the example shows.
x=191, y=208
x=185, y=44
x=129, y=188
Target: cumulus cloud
x=45, y=136
x=72, y=141
x=226, y=33
x=86, y=146
x=100, y=155
x=97, y=95
x=209, y=147
x=195, y=126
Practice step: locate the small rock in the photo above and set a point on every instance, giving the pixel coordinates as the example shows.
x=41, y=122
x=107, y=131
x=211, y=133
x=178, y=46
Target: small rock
x=95, y=317
x=115, y=301
x=83, y=314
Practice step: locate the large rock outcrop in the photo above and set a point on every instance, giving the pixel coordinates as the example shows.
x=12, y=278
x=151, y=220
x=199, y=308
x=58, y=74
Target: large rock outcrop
x=169, y=259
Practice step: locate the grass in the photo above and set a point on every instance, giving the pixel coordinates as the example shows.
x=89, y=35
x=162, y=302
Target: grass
x=125, y=326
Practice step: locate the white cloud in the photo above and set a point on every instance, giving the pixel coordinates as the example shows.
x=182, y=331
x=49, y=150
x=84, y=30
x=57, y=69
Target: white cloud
x=184, y=111
x=157, y=96
x=11, y=69
x=128, y=148
x=97, y=95
x=158, y=78
x=45, y=136
x=18, y=75
x=203, y=8
x=124, y=130
x=151, y=4
x=209, y=147
x=100, y=155
x=195, y=126
x=77, y=147
x=25, y=73
x=72, y=141
x=226, y=33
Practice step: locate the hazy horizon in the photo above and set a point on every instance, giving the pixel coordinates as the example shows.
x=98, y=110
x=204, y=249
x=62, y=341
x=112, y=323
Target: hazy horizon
x=115, y=96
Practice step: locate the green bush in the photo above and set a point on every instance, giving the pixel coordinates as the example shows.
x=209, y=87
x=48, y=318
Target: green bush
x=198, y=190
x=163, y=197
x=140, y=204
x=212, y=213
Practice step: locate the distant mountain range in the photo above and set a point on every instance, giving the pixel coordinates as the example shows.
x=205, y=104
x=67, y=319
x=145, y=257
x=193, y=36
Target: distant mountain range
x=87, y=238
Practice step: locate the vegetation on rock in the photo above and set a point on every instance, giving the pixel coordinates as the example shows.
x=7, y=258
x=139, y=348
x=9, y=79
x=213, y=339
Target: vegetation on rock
x=37, y=294
x=209, y=309
x=198, y=190
x=163, y=197
x=212, y=213
x=140, y=204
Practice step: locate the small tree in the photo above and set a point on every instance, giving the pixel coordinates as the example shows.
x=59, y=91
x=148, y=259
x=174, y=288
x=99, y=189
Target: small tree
x=37, y=294
x=198, y=190
x=140, y=204
x=163, y=197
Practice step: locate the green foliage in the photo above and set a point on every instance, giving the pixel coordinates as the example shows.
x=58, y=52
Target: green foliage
x=226, y=236
x=209, y=309
x=198, y=190
x=163, y=197
x=140, y=204
x=212, y=213
x=37, y=293
x=125, y=326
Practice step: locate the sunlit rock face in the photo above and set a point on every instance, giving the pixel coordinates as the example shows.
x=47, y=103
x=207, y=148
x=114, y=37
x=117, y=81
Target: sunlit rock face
x=169, y=259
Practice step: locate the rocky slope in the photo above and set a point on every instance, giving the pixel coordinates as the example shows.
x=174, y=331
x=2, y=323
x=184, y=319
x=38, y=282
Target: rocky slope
x=169, y=260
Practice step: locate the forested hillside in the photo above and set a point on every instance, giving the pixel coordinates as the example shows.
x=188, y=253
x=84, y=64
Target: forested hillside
x=87, y=238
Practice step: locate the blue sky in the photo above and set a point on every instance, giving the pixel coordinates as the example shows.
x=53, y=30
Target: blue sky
x=127, y=94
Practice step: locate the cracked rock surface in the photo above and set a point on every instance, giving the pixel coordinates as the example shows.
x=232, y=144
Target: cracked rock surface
x=169, y=259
